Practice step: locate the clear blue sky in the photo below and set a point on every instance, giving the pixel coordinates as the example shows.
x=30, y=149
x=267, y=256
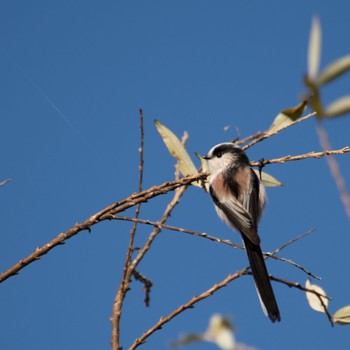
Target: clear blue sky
x=73, y=75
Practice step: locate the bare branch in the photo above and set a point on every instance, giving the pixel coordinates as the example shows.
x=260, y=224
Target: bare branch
x=104, y=214
x=118, y=301
x=124, y=285
x=147, y=284
x=302, y=156
x=285, y=245
x=261, y=137
x=189, y=305
x=297, y=285
x=179, y=229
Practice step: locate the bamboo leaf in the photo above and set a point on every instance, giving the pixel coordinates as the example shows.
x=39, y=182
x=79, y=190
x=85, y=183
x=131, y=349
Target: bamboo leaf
x=334, y=70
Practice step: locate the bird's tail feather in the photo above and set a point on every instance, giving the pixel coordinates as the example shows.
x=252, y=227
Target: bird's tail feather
x=262, y=280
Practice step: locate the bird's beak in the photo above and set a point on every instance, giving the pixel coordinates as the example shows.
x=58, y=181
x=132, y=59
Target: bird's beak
x=206, y=157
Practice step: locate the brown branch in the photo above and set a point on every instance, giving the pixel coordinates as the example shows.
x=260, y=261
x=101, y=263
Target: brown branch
x=104, y=214
x=334, y=168
x=301, y=157
x=147, y=285
x=190, y=304
x=124, y=285
x=118, y=301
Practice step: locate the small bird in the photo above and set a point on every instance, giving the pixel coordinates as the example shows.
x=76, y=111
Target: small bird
x=239, y=198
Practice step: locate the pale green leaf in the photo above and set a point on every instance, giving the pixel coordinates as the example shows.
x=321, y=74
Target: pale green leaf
x=338, y=107
x=342, y=316
x=334, y=70
x=267, y=179
x=314, y=50
x=313, y=299
x=287, y=117
x=176, y=149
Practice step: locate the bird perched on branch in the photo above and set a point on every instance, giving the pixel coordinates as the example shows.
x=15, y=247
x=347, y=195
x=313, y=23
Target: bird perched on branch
x=239, y=198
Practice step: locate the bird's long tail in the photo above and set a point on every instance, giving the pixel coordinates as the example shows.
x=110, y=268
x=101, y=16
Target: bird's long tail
x=262, y=280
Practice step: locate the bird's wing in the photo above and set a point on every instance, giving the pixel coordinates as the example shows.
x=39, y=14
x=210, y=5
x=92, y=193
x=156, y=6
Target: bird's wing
x=236, y=215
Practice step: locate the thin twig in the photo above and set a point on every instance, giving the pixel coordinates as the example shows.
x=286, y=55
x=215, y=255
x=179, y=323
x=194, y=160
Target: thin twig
x=266, y=135
x=179, y=229
x=302, y=156
x=133, y=200
x=334, y=168
x=225, y=241
x=124, y=285
x=301, y=287
x=285, y=245
x=190, y=304
x=291, y=262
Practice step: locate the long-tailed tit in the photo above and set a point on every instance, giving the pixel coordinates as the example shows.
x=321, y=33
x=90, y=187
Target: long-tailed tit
x=239, y=198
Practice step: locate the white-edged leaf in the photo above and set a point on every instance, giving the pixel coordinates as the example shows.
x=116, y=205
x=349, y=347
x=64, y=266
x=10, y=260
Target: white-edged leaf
x=314, y=50
x=334, y=70
x=313, y=299
x=267, y=179
x=287, y=117
x=176, y=149
x=338, y=107
x=342, y=316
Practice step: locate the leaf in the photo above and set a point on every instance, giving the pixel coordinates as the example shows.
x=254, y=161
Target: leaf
x=220, y=332
x=287, y=117
x=314, y=50
x=313, y=299
x=334, y=70
x=176, y=149
x=267, y=179
x=342, y=316
x=338, y=107
x=188, y=339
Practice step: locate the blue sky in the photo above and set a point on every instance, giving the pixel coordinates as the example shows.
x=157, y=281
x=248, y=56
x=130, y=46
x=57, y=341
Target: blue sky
x=73, y=75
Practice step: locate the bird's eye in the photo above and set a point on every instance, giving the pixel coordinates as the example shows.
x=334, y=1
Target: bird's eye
x=219, y=154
